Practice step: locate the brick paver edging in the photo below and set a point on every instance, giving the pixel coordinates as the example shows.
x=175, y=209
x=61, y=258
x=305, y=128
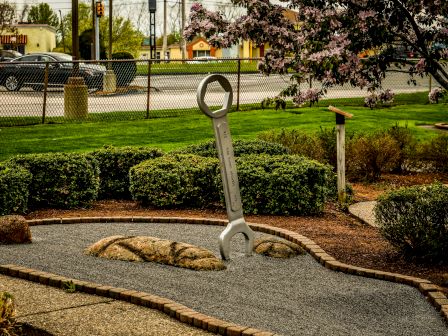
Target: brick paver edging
x=190, y=316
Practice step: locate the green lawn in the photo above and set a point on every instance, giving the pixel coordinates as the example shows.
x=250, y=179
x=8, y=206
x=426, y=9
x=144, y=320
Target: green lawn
x=171, y=133
x=176, y=67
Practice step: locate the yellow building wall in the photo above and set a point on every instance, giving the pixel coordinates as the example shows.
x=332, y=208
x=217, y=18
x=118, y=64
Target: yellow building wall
x=39, y=38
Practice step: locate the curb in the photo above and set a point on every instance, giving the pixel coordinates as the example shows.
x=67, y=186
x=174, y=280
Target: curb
x=190, y=316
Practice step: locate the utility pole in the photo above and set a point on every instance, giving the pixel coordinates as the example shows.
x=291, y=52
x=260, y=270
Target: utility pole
x=182, y=39
x=62, y=30
x=152, y=6
x=110, y=32
x=165, y=37
x=93, y=44
x=75, y=39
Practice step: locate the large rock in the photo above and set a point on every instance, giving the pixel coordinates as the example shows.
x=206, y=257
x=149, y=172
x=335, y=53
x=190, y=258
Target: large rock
x=143, y=248
x=276, y=248
x=14, y=230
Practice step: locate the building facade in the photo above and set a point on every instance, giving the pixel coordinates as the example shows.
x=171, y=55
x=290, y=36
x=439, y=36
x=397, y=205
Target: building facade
x=30, y=38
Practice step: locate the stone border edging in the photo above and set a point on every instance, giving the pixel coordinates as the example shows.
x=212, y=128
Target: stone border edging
x=190, y=316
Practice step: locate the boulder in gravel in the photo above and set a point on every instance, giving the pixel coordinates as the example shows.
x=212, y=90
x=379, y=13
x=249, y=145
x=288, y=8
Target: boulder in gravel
x=276, y=248
x=144, y=248
x=14, y=230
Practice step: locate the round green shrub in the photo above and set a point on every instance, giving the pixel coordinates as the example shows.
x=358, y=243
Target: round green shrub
x=60, y=180
x=175, y=180
x=14, y=182
x=240, y=147
x=415, y=220
x=115, y=163
x=124, y=71
x=283, y=184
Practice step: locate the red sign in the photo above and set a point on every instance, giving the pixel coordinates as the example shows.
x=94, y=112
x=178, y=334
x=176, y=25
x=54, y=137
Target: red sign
x=13, y=39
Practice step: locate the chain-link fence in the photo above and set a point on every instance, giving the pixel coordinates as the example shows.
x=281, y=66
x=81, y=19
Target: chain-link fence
x=38, y=88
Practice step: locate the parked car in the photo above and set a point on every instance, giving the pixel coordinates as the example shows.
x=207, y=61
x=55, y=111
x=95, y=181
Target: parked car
x=7, y=55
x=29, y=70
x=203, y=59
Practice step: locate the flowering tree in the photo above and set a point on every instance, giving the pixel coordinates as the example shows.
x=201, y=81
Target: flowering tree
x=327, y=37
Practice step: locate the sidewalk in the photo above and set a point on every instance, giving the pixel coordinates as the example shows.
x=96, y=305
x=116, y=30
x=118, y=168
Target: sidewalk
x=68, y=314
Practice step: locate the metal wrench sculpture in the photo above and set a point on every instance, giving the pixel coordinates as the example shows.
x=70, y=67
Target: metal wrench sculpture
x=232, y=196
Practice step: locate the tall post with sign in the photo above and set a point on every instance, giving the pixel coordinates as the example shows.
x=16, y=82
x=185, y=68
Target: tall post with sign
x=99, y=11
x=152, y=5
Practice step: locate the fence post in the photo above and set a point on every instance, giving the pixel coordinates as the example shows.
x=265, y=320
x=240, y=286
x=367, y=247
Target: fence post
x=149, y=90
x=44, y=109
x=238, y=85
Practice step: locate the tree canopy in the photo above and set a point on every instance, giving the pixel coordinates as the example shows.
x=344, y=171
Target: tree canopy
x=124, y=36
x=43, y=14
x=325, y=38
x=7, y=16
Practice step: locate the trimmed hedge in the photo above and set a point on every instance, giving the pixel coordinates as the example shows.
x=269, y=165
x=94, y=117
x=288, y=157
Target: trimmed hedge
x=283, y=184
x=414, y=219
x=124, y=71
x=240, y=147
x=14, y=182
x=115, y=163
x=60, y=180
x=175, y=180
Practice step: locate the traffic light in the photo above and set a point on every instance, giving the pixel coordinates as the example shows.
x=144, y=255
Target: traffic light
x=99, y=9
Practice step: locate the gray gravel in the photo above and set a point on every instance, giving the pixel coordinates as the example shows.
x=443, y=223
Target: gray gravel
x=291, y=297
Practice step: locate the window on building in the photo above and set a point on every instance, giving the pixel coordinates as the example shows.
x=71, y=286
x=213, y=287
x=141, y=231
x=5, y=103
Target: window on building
x=200, y=53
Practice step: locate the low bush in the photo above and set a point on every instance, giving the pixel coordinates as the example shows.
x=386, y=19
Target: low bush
x=240, y=147
x=60, y=180
x=283, y=185
x=407, y=144
x=14, y=183
x=435, y=153
x=176, y=181
x=115, y=163
x=414, y=219
x=297, y=142
x=368, y=156
x=124, y=71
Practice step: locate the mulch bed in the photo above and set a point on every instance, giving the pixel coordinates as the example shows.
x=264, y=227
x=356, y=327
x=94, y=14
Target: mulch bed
x=339, y=234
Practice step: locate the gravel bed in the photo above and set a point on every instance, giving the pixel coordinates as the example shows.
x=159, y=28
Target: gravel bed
x=290, y=297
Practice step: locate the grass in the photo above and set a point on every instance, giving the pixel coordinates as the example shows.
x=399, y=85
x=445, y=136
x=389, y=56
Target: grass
x=171, y=133
x=177, y=67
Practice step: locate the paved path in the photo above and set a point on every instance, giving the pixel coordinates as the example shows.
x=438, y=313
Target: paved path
x=364, y=212
x=289, y=297
x=69, y=314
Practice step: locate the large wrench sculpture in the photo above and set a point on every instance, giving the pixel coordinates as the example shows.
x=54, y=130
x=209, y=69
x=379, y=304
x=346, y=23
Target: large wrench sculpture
x=232, y=196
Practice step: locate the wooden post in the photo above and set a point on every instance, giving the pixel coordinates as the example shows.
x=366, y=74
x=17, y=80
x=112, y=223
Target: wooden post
x=340, y=141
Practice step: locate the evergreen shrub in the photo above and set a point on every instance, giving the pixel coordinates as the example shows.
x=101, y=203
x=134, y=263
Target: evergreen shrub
x=14, y=183
x=124, y=71
x=240, y=147
x=115, y=163
x=60, y=180
x=415, y=220
x=283, y=184
x=178, y=180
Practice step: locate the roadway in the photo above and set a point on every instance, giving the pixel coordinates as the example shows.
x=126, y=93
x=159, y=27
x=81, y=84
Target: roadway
x=171, y=92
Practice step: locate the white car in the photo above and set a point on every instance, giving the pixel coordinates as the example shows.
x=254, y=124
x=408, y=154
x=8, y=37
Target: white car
x=202, y=59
